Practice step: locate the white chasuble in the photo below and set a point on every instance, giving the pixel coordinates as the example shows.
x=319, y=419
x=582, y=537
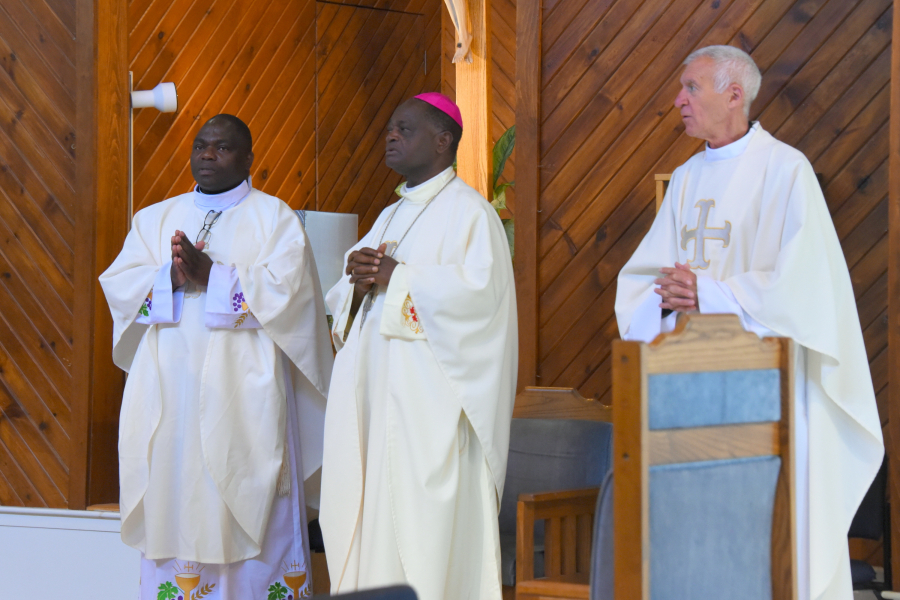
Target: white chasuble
x=751, y=221
x=210, y=414
x=417, y=426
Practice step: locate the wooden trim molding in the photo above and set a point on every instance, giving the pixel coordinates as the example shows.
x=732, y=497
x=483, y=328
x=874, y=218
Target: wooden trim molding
x=473, y=95
x=723, y=442
x=893, y=427
x=102, y=105
x=528, y=183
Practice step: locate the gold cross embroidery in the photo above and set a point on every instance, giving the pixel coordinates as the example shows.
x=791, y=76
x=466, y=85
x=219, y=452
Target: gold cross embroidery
x=703, y=233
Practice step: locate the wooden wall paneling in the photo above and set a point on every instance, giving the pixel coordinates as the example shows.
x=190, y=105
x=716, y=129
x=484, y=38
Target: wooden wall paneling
x=38, y=409
x=102, y=112
x=528, y=136
x=380, y=177
x=362, y=79
x=367, y=58
x=892, y=439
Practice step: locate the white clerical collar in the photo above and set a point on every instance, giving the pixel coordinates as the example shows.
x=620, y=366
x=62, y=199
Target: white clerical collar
x=426, y=191
x=222, y=201
x=735, y=148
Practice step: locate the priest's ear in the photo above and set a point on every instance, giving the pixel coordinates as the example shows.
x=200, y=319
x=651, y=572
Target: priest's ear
x=735, y=95
x=248, y=161
x=443, y=142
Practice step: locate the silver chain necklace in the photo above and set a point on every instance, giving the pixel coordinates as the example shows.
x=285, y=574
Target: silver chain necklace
x=370, y=295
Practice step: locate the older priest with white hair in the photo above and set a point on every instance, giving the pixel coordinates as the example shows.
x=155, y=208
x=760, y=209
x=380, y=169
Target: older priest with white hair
x=744, y=229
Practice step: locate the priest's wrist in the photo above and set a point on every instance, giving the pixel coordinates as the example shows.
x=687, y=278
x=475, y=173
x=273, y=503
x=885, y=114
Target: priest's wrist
x=358, y=296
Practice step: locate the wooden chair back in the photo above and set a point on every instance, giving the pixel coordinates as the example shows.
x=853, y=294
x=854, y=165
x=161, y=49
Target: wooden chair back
x=707, y=398
x=662, y=184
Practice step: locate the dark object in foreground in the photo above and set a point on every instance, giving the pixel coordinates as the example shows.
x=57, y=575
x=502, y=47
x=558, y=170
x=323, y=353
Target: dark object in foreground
x=398, y=592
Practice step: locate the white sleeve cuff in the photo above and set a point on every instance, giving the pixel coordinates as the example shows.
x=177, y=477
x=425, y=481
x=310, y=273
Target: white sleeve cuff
x=162, y=305
x=647, y=321
x=715, y=297
x=399, y=318
x=226, y=307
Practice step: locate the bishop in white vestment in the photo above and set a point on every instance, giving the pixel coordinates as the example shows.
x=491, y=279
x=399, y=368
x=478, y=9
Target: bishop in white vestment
x=226, y=345
x=417, y=426
x=744, y=229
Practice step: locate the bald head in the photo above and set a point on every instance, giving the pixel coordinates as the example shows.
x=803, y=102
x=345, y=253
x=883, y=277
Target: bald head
x=222, y=154
x=241, y=132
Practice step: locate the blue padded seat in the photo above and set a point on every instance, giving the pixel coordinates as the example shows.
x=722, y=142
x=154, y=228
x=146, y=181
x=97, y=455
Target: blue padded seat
x=861, y=572
x=547, y=455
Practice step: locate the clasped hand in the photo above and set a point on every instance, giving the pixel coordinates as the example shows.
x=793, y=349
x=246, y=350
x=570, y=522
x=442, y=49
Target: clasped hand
x=367, y=267
x=678, y=288
x=189, y=262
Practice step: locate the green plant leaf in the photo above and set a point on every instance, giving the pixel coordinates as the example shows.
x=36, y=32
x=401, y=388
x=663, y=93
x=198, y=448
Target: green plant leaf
x=499, y=201
x=500, y=190
x=143, y=310
x=509, y=227
x=502, y=151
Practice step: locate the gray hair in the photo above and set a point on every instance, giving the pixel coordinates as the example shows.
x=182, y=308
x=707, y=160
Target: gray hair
x=733, y=65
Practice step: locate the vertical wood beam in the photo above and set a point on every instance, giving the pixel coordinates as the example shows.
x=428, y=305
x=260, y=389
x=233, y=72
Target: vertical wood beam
x=528, y=183
x=102, y=107
x=473, y=95
x=893, y=427
x=631, y=505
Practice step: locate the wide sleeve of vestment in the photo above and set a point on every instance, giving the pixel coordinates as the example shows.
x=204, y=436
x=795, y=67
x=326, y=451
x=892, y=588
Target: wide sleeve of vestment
x=281, y=286
x=467, y=307
x=128, y=281
x=340, y=296
x=637, y=306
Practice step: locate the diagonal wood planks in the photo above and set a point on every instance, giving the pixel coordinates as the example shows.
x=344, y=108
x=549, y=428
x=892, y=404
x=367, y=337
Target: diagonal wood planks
x=37, y=237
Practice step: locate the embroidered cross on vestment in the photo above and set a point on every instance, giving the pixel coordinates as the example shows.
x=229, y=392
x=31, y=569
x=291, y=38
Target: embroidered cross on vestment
x=702, y=233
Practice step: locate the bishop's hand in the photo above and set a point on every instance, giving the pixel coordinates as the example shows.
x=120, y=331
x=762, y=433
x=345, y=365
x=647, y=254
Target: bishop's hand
x=189, y=261
x=678, y=288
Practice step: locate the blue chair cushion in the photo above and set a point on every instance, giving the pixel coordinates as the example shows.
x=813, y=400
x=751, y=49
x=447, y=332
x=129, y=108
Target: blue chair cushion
x=711, y=529
x=861, y=572
x=677, y=400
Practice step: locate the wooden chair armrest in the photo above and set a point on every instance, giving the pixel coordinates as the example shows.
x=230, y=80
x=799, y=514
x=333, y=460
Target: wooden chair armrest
x=543, y=497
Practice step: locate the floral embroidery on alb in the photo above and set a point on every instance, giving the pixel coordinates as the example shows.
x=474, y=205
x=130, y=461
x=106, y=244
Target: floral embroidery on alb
x=147, y=306
x=411, y=317
x=239, y=304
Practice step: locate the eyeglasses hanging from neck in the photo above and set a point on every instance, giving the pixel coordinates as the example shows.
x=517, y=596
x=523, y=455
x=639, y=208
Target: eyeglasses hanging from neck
x=205, y=233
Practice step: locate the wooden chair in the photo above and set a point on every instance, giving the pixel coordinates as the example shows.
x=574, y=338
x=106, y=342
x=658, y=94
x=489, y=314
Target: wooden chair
x=702, y=462
x=567, y=538
x=662, y=183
